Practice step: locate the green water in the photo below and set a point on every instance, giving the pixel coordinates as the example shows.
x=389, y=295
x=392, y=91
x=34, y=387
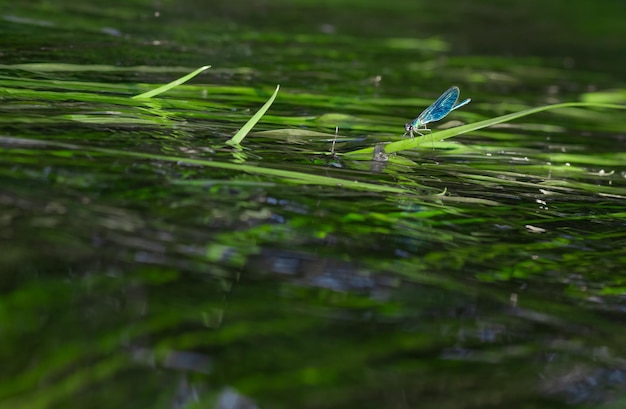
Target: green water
x=148, y=264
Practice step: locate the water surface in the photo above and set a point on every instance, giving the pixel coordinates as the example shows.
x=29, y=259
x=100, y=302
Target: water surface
x=135, y=277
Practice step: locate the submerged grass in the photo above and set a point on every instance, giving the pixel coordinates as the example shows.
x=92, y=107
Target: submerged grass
x=290, y=176
x=157, y=115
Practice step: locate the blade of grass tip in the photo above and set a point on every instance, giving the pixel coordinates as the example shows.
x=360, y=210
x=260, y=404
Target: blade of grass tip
x=243, y=132
x=171, y=85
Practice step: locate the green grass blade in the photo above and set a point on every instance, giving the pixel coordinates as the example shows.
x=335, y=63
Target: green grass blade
x=171, y=85
x=411, y=143
x=236, y=140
